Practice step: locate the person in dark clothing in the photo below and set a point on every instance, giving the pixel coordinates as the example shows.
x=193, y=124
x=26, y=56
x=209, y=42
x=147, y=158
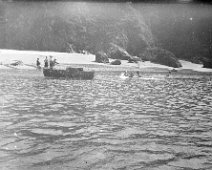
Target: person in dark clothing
x=46, y=63
x=126, y=73
x=38, y=63
x=131, y=75
x=138, y=74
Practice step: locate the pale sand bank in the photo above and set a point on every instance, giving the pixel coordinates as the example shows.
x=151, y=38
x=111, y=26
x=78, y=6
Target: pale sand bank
x=28, y=58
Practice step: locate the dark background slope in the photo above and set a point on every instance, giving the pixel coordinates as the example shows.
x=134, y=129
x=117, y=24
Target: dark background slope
x=182, y=28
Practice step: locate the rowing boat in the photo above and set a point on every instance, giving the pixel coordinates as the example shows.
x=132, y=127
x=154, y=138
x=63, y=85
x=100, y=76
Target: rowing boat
x=69, y=73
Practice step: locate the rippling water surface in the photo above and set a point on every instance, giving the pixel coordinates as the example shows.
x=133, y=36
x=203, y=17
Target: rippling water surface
x=105, y=123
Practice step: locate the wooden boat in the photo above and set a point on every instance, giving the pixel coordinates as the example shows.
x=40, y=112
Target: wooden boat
x=69, y=73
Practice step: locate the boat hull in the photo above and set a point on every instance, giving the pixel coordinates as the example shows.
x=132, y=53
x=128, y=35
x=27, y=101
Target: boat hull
x=69, y=73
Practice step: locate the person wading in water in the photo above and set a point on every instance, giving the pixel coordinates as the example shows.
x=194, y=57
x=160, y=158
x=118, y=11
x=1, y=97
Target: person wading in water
x=52, y=62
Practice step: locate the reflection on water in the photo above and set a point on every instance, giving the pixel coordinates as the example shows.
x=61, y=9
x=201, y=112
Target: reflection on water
x=105, y=124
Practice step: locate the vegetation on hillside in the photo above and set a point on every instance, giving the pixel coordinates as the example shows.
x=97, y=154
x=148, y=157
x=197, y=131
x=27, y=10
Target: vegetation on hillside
x=84, y=28
x=161, y=56
x=77, y=27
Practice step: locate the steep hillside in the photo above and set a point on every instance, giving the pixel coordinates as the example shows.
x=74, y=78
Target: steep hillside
x=183, y=31
x=81, y=26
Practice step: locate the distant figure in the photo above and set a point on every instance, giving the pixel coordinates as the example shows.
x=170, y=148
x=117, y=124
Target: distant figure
x=174, y=70
x=170, y=72
x=51, y=62
x=46, y=63
x=55, y=62
x=138, y=74
x=131, y=75
x=125, y=73
x=38, y=63
x=123, y=76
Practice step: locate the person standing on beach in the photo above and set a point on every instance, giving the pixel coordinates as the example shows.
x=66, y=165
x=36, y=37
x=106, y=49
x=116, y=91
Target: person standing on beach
x=38, y=63
x=46, y=64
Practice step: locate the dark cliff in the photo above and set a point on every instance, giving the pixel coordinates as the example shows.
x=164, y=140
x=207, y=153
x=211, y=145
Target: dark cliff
x=182, y=29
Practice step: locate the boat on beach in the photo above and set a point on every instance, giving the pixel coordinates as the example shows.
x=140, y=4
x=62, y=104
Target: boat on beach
x=69, y=73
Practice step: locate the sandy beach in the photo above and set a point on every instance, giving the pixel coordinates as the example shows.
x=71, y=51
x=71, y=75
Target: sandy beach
x=87, y=61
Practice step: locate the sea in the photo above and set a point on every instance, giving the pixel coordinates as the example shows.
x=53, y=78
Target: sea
x=109, y=123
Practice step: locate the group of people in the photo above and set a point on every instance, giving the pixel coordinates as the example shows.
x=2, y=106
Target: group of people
x=48, y=63
x=130, y=75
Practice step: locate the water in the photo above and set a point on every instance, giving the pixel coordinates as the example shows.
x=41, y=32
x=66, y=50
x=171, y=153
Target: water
x=105, y=124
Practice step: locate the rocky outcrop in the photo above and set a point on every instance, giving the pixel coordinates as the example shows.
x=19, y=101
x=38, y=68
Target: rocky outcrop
x=161, y=56
x=101, y=57
x=116, y=62
x=207, y=63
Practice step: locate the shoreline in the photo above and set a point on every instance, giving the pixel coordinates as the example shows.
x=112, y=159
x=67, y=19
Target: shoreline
x=114, y=71
x=86, y=61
